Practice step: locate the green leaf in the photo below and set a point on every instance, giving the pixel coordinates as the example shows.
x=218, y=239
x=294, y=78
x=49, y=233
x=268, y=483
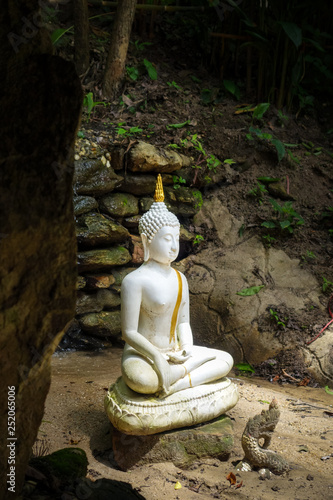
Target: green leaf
x=260, y=110
x=328, y=390
x=293, y=32
x=276, y=206
x=269, y=224
x=195, y=79
x=132, y=72
x=232, y=88
x=268, y=180
x=279, y=148
x=178, y=125
x=248, y=292
x=244, y=367
x=151, y=69
x=57, y=34
x=284, y=224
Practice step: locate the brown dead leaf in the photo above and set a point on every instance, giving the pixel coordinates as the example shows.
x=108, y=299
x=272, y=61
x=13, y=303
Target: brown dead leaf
x=304, y=382
x=239, y=485
x=276, y=378
x=232, y=478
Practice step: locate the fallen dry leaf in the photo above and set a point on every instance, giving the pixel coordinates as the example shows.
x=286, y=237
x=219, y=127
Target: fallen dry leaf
x=232, y=478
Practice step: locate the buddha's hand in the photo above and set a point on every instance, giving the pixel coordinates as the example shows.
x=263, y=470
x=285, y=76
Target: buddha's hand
x=179, y=356
x=163, y=371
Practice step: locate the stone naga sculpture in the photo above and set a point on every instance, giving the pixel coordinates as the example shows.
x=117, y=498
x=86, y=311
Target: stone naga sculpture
x=262, y=427
x=159, y=358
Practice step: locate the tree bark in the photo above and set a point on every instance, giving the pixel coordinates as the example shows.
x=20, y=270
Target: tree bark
x=81, y=36
x=115, y=65
x=40, y=107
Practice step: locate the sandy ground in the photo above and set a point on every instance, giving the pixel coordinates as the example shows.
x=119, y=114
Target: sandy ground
x=74, y=416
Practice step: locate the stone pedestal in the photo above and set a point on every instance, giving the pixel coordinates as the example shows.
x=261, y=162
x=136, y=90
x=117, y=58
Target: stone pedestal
x=181, y=447
x=137, y=414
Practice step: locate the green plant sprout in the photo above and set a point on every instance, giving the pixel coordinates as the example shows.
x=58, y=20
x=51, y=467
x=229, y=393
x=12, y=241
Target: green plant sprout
x=327, y=285
x=177, y=181
x=293, y=157
x=308, y=255
x=132, y=72
x=258, y=192
x=140, y=46
x=252, y=290
x=174, y=85
x=260, y=110
x=199, y=201
x=268, y=239
x=198, y=239
x=255, y=133
x=275, y=317
x=245, y=368
x=89, y=103
x=289, y=218
x=152, y=72
x=127, y=132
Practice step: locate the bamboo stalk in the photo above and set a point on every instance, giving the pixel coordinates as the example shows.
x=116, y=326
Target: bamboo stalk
x=283, y=75
x=140, y=6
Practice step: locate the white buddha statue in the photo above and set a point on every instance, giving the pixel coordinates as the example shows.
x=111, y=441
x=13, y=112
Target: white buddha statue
x=159, y=359
x=159, y=355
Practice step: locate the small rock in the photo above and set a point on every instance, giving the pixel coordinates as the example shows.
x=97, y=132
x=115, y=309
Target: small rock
x=84, y=204
x=96, y=281
x=119, y=205
x=102, y=324
x=107, y=258
x=92, y=177
x=95, y=229
x=264, y=474
x=147, y=158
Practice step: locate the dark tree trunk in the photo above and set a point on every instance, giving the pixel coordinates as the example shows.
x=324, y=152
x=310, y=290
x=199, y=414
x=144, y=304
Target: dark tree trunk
x=81, y=36
x=115, y=65
x=40, y=108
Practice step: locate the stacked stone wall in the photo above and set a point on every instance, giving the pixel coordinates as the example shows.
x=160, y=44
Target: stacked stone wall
x=109, y=198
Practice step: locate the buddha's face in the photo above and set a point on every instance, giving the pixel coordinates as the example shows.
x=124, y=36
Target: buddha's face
x=164, y=247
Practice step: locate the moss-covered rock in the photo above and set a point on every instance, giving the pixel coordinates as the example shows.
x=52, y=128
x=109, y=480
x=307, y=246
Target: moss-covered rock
x=96, y=302
x=92, y=177
x=140, y=185
x=95, y=229
x=107, y=258
x=102, y=324
x=66, y=464
x=120, y=205
x=183, y=201
x=182, y=447
x=84, y=204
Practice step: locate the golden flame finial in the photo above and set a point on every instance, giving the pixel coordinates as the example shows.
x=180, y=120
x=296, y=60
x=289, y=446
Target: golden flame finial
x=159, y=194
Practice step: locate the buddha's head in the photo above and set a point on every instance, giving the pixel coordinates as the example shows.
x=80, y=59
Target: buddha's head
x=159, y=230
